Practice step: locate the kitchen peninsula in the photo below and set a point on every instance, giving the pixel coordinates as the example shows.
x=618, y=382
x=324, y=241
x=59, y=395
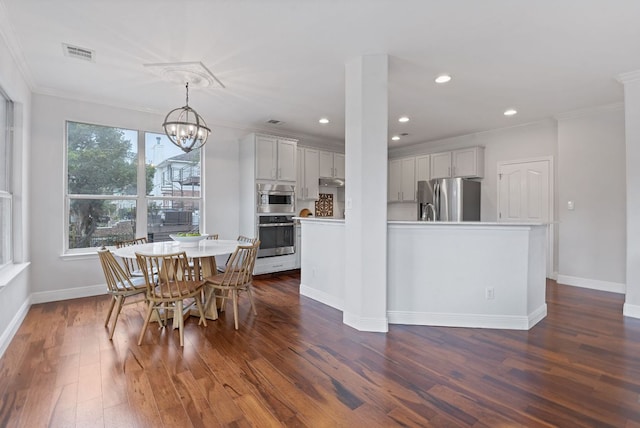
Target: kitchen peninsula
x=468, y=274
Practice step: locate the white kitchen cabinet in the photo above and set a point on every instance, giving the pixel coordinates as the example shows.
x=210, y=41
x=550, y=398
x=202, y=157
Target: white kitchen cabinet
x=275, y=158
x=308, y=174
x=458, y=163
x=441, y=165
x=423, y=168
x=331, y=165
x=468, y=162
x=298, y=245
x=402, y=180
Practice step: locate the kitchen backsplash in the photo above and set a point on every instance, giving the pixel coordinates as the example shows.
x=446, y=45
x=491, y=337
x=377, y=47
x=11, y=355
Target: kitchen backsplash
x=338, y=203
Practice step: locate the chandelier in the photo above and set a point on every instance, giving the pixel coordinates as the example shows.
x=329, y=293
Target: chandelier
x=186, y=128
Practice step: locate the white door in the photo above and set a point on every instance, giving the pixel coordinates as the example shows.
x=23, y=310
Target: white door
x=524, y=195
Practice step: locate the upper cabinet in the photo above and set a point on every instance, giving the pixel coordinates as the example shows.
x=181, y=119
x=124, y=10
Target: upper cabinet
x=423, y=168
x=402, y=180
x=275, y=158
x=458, y=163
x=308, y=174
x=331, y=165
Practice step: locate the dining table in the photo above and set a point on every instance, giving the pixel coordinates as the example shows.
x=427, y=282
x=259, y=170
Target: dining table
x=203, y=253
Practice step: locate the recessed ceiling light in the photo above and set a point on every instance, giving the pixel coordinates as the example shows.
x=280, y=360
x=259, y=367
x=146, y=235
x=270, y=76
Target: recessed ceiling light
x=443, y=78
x=403, y=119
x=324, y=120
x=510, y=112
x=395, y=138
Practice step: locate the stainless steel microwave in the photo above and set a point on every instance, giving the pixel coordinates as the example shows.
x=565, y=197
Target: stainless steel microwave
x=276, y=198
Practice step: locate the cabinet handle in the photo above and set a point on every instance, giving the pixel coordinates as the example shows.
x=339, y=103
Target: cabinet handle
x=449, y=171
x=273, y=173
x=279, y=172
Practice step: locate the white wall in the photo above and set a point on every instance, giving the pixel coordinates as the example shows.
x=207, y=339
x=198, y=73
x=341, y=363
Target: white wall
x=56, y=277
x=15, y=294
x=591, y=173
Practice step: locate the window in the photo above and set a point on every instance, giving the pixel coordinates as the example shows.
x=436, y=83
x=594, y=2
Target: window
x=6, y=198
x=173, y=194
x=113, y=196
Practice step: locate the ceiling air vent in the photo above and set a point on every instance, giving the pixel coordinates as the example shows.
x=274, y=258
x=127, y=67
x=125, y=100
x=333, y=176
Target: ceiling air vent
x=78, y=52
x=274, y=122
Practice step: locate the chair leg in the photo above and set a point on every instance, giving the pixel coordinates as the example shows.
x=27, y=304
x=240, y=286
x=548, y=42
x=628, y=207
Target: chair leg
x=113, y=302
x=115, y=319
x=146, y=322
x=234, y=295
x=178, y=313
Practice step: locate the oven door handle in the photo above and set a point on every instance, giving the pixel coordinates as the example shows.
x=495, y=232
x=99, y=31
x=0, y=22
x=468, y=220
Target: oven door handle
x=275, y=224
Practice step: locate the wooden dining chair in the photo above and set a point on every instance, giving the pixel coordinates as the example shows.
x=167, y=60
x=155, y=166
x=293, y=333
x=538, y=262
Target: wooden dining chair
x=243, y=239
x=237, y=277
x=132, y=264
x=214, y=236
x=120, y=285
x=169, y=288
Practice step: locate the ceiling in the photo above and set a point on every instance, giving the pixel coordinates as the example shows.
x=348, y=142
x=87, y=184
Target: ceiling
x=285, y=59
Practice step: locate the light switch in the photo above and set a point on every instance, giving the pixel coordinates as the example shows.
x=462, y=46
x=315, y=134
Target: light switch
x=570, y=205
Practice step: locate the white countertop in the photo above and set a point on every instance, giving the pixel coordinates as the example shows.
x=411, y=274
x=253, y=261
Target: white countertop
x=425, y=223
x=462, y=223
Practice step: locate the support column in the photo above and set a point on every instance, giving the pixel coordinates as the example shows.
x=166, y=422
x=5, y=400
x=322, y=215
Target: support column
x=366, y=112
x=631, y=83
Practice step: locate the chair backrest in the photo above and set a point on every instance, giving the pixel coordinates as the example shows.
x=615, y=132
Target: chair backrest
x=118, y=279
x=239, y=268
x=131, y=264
x=168, y=276
x=246, y=239
x=214, y=236
x=128, y=242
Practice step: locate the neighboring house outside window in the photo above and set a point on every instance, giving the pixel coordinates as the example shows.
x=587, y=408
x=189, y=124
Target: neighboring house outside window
x=6, y=197
x=112, y=197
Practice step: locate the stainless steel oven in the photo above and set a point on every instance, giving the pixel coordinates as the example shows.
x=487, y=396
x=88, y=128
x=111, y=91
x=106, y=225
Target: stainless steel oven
x=276, y=198
x=276, y=234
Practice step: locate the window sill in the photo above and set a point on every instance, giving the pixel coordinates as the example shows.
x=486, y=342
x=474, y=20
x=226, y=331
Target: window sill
x=79, y=256
x=8, y=273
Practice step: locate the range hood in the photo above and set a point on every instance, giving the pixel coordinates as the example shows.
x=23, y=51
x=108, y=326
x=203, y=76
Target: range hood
x=331, y=182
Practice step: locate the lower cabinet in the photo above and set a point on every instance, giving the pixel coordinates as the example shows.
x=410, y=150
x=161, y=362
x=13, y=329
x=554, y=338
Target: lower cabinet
x=275, y=264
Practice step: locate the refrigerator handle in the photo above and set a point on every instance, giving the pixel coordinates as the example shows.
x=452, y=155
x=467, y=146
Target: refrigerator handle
x=436, y=200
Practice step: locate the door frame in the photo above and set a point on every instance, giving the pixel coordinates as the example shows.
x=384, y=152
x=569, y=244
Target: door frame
x=551, y=235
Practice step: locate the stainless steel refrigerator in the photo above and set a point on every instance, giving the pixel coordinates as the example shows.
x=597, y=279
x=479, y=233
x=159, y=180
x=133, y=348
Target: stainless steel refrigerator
x=449, y=199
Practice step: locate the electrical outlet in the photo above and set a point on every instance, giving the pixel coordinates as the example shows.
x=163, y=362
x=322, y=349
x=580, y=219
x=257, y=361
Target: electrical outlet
x=489, y=293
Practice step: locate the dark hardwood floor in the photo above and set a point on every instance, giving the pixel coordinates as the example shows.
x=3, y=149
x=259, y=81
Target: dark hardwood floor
x=296, y=364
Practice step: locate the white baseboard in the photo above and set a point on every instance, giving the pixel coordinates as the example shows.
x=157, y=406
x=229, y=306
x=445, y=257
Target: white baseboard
x=632, y=311
x=68, y=293
x=379, y=325
x=14, y=325
x=322, y=297
x=505, y=322
x=593, y=284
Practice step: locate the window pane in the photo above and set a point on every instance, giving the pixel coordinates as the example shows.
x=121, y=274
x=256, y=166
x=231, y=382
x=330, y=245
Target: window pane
x=5, y=229
x=165, y=217
x=101, y=160
x=175, y=175
x=98, y=222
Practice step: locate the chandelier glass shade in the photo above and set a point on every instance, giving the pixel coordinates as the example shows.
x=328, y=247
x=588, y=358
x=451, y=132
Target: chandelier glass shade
x=185, y=127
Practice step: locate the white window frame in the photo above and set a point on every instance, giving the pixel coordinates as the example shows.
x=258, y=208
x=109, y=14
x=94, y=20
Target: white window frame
x=6, y=228
x=141, y=198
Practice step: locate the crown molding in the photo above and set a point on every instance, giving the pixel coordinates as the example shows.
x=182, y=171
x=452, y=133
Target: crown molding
x=15, y=49
x=574, y=114
x=630, y=77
